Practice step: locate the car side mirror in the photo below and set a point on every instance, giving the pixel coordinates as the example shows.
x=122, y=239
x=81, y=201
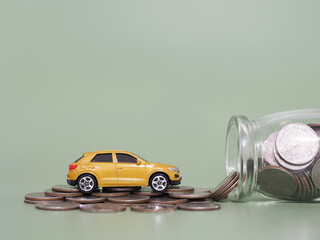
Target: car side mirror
x=138, y=162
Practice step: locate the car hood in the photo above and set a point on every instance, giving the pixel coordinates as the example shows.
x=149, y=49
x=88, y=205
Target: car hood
x=161, y=165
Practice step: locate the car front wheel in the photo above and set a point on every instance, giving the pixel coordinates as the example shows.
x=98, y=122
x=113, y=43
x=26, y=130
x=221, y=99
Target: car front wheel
x=87, y=183
x=159, y=182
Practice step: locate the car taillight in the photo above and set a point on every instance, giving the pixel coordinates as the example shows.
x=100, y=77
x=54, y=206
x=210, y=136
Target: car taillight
x=72, y=166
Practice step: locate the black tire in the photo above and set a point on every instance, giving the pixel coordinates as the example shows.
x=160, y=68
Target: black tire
x=159, y=182
x=87, y=183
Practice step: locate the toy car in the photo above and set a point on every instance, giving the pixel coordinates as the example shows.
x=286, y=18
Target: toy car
x=120, y=169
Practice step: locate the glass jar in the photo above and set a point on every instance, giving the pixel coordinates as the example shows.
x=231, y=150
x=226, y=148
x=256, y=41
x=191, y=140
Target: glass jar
x=276, y=156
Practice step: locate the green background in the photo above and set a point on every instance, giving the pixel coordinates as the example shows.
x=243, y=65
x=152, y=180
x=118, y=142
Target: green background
x=158, y=78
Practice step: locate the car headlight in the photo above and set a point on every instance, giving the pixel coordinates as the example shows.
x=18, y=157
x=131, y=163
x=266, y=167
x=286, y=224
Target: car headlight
x=174, y=169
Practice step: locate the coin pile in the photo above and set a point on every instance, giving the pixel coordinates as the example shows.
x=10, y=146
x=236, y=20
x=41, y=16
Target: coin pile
x=290, y=164
x=65, y=197
x=226, y=186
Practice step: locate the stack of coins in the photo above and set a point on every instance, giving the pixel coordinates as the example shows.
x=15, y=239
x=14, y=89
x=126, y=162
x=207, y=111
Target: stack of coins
x=290, y=166
x=38, y=197
x=64, y=197
x=226, y=186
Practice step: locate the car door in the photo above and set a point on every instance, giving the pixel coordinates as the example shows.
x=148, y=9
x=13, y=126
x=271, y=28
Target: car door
x=129, y=172
x=104, y=167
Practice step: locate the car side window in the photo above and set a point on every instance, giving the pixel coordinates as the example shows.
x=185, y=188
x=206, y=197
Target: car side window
x=106, y=157
x=126, y=158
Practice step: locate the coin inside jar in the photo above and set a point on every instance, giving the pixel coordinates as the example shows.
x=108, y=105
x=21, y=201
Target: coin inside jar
x=297, y=143
x=277, y=181
x=312, y=188
x=199, y=206
x=299, y=191
x=102, y=208
x=57, y=206
x=285, y=164
x=133, y=198
x=315, y=174
x=154, y=207
x=268, y=149
x=86, y=199
x=304, y=185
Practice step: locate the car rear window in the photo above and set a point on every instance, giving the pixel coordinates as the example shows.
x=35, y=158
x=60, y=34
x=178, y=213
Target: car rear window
x=78, y=159
x=106, y=157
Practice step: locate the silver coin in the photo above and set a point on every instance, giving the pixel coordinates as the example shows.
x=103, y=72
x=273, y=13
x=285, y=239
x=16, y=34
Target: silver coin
x=49, y=192
x=297, y=143
x=120, y=189
x=305, y=186
x=317, y=131
x=202, y=190
x=64, y=188
x=110, y=194
x=133, y=198
x=86, y=199
x=199, y=206
x=285, y=164
x=277, y=181
x=148, y=192
x=222, y=185
x=315, y=174
x=57, y=206
x=167, y=200
x=317, y=190
x=228, y=189
x=312, y=188
x=126, y=204
x=175, y=189
x=102, y=208
x=154, y=207
x=40, y=196
x=35, y=202
x=268, y=149
x=190, y=195
x=204, y=200
x=300, y=190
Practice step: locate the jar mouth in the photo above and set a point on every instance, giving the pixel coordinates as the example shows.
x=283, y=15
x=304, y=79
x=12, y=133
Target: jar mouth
x=241, y=156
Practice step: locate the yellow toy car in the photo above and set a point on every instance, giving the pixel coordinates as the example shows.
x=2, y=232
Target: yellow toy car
x=120, y=169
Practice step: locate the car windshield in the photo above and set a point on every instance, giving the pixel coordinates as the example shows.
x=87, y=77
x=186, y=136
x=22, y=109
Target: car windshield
x=78, y=159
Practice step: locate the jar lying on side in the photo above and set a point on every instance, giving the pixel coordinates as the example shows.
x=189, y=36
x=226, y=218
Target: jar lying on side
x=277, y=155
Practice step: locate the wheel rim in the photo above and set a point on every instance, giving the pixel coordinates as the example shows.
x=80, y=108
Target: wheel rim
x=159, y=183
x=86, y=183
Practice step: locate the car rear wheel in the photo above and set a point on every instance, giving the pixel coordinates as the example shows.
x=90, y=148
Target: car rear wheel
x=159, y=182
x=87, y=183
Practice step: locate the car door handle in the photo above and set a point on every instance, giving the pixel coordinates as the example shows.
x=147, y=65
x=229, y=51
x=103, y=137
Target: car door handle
x=119, y=168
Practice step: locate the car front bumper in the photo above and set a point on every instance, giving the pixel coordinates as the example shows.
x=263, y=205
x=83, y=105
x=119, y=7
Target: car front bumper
x=175, y=182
